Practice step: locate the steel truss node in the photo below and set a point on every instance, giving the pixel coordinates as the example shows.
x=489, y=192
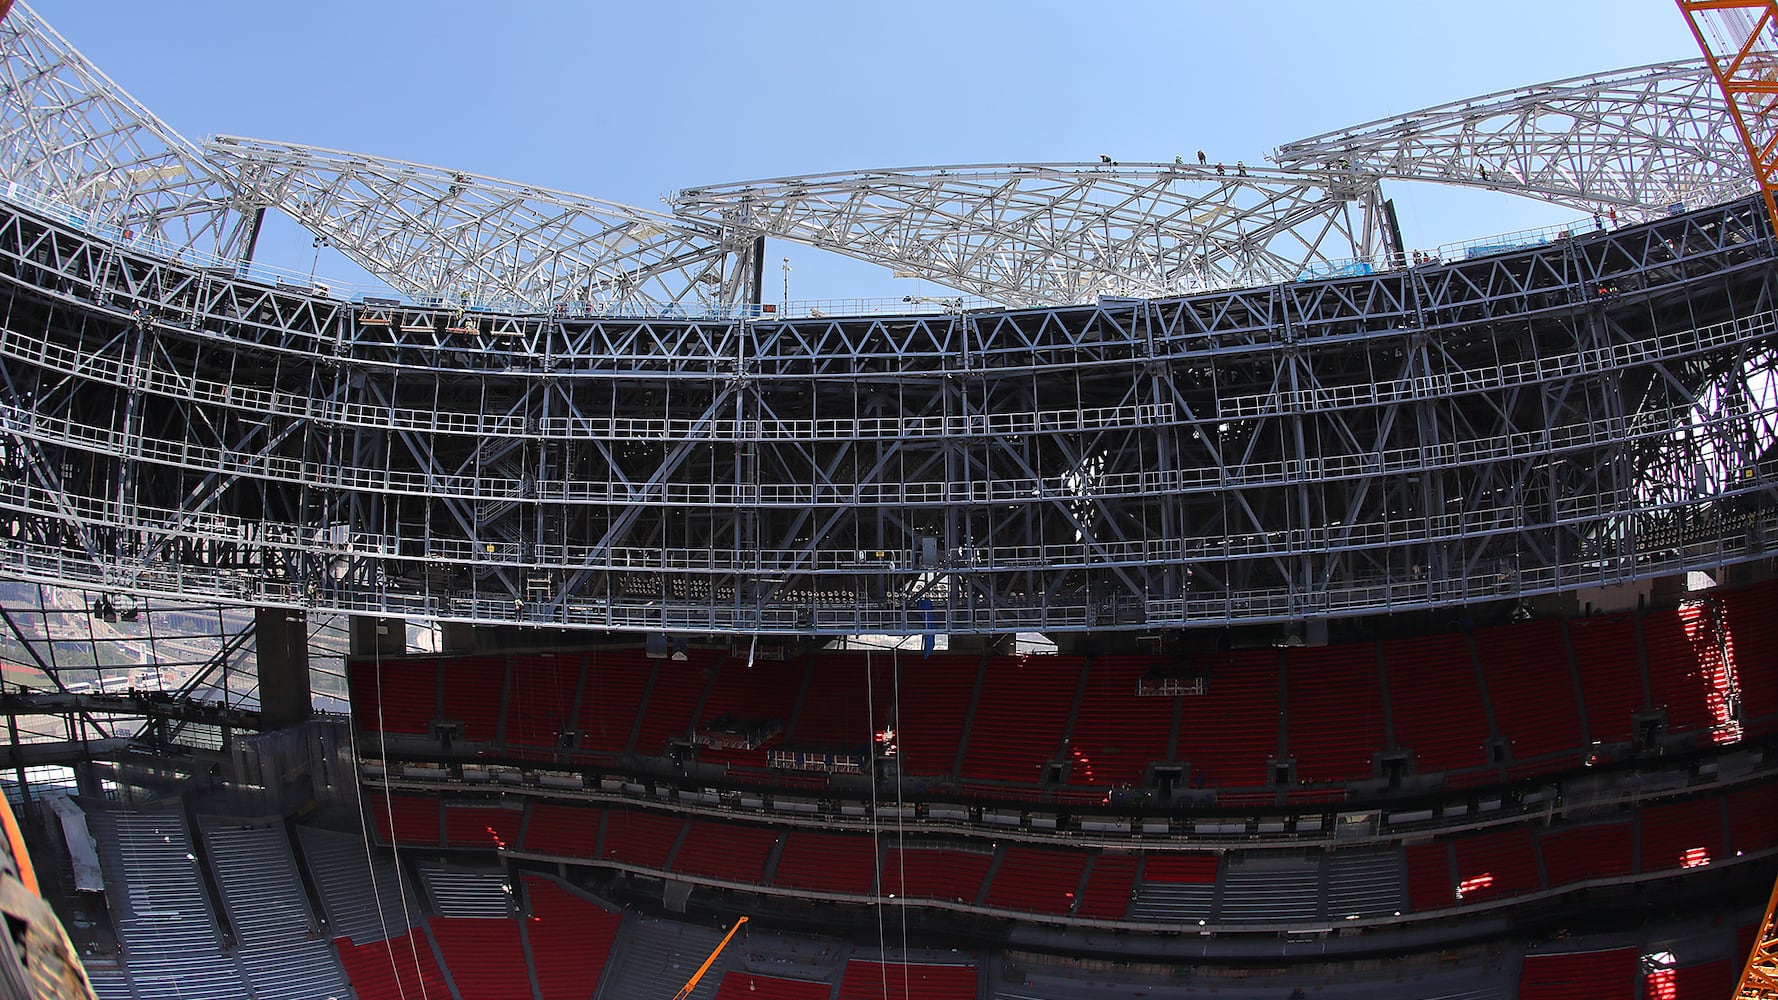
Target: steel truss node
x=71, y=137
x=1036, y=235
x=1633, y=142
x=453, y=237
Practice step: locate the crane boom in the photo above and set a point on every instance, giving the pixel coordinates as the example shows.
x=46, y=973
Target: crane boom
x=1736, y=39
x=692, y=983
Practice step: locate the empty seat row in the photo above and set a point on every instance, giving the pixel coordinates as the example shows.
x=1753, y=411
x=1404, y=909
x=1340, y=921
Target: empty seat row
x=1505, y=702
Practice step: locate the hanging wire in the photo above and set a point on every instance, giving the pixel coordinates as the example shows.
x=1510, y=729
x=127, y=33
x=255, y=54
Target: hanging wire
x=394, y=841
x=870, y=718
x=364, y=831
x=901, y=854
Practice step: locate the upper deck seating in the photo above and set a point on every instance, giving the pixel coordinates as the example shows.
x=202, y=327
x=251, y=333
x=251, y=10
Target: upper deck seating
x=1020, y=717
x=1687, y=674
x=1610, y=674
x=1749, y=620
x=1117, y=733
x=540, y=701
x=933, y=708
x=395, y=695
x=851, y=696
x=760, y=697
x=1228, y=734
x=471, y=688
x=679, y=686
x=1531, y=689
x=1438, y=711
x=611, y=700
x=1334, y=711
x=165, y=926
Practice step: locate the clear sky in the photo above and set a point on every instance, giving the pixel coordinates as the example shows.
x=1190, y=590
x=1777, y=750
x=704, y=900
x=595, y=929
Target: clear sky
x=630, y=101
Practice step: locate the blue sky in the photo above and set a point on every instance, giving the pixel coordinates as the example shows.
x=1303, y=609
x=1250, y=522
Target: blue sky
x=631, y=101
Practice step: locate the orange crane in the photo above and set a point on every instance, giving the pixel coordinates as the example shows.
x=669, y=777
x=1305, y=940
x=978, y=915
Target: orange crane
x=692, y=983
x=1759, y=980
x=1738, y=39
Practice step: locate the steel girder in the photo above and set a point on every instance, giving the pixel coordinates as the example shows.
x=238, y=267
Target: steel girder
x=1036, y=235
x=1634, y=141
x=72, y=138
x=454, y=237
x=1525, y=423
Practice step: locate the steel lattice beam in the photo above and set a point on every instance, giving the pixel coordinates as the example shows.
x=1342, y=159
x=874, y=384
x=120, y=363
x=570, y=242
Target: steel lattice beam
x=1634, y=141
x=71, y=137
x=1062, y=234
x=1594, y=410
x=453, y=236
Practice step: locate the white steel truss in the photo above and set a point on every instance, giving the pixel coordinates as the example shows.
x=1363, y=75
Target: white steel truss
x=456, y=237
x=1032, y=235
x=1633, y=141
x=71, y=136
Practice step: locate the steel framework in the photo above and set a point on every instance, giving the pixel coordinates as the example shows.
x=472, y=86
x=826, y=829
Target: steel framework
x=1288, y=424
x=72, y=138
x=1592, y=410
x=1035, y=235
x=1634, y=141
x=448, y=236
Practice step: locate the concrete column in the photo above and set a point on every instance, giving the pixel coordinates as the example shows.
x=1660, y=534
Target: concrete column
x=283, y=646
x=367, y=636
x=457, y=637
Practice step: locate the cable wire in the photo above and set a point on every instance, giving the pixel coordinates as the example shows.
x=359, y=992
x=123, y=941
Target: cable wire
x=394, y=841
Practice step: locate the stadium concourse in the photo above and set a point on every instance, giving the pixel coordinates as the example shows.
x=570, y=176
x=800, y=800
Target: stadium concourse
x=1215, y=595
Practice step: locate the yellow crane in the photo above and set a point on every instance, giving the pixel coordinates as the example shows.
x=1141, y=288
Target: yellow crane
x=692, y=983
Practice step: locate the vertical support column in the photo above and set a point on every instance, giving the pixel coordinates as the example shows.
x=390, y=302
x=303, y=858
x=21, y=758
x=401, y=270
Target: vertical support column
x=367, y=636
x=282, y=639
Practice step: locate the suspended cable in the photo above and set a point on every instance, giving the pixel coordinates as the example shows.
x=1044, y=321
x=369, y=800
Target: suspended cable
x=870, y=718
x=394, y=841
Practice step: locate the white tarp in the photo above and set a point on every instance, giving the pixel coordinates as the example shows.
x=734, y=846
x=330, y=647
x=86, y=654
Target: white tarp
x=81, y=850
